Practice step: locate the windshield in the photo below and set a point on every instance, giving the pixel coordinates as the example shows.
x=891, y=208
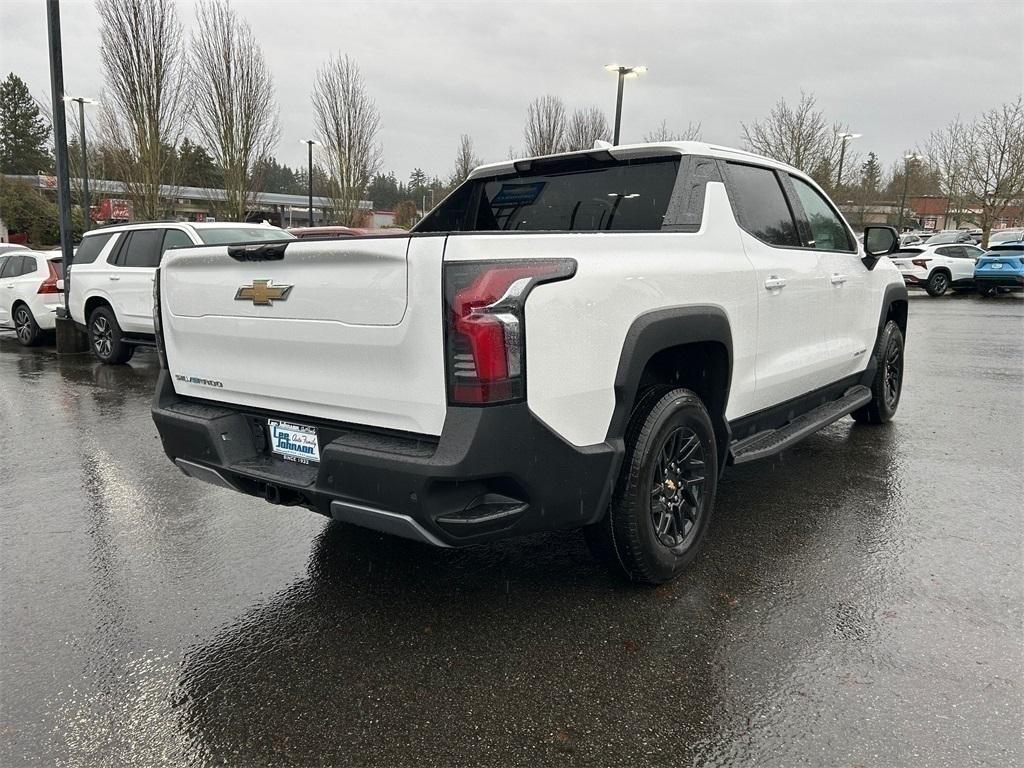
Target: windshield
x=1003, y=237
x=222, y=235
x=600, y=196
x=58, y=266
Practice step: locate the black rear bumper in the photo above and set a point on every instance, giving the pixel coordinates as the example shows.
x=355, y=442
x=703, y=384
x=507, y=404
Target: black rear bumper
x=493, y=472
x=1000, y=281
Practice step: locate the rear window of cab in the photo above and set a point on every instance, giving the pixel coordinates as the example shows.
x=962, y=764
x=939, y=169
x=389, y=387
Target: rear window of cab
x=562, y=197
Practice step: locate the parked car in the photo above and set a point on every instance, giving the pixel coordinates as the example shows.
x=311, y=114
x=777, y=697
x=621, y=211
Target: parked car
x=945, y=238
x=1001, y=268
x=8, y=247
x=910, y=238
x=111, y=289
x=937, y=268
x=600, y=334
x=29, y=293
x=1005, y=236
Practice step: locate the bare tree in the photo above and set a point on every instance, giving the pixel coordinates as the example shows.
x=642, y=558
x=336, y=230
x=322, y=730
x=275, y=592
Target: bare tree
x=587, y=125
x=234, y=110
x=945, y=153
x=993, y=162
x=545, y=126
x=465, y=160
x=143, y=62
x=692, y=132
x=347, y=122
x=800, y=136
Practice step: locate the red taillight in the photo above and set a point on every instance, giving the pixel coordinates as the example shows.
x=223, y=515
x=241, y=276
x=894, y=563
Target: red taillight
x=485, y=339
x=49, y=285
x=922, y=263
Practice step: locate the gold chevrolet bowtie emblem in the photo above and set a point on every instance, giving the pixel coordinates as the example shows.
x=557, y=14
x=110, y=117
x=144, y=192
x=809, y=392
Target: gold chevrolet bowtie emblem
x=263, y=293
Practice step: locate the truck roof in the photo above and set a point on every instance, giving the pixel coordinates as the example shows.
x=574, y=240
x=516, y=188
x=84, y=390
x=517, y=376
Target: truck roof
x=626, y=151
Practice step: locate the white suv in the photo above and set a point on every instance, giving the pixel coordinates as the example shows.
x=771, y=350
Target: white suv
x=937, y=268
x=30, y=293
x=111, y=288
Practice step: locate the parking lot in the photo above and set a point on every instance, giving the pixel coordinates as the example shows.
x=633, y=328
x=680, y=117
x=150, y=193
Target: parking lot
x=858, y=601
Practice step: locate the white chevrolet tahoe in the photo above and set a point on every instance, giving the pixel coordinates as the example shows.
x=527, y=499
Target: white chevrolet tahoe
x=111, y=286
x=581, y=340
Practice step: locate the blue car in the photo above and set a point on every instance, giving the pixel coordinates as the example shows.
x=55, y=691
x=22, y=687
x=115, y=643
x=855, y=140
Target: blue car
x=1001, y=268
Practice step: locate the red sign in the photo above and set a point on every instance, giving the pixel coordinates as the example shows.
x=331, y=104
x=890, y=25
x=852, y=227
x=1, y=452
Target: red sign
x=113, y=209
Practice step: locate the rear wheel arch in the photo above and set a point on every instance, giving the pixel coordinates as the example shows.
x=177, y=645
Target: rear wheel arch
x=92, y=304
x=687, y=347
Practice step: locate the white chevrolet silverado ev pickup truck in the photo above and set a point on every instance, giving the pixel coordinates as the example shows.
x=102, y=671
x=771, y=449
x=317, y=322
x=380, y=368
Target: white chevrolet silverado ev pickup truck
x=579, y=340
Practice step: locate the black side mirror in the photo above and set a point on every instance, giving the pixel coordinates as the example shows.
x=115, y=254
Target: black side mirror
x=879, y=242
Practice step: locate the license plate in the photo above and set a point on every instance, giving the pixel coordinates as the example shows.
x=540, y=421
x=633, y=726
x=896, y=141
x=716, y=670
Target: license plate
x=997, y=265
x=295, y=442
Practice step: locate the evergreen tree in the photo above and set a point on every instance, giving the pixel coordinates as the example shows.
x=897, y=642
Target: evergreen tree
x=417, y=182
x=871, y=175
x=278, y=178
x=196, y=167
x=24, y=133
x=385, y=191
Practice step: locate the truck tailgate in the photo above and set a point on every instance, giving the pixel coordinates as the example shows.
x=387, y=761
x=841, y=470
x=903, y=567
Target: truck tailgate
x=328, y=331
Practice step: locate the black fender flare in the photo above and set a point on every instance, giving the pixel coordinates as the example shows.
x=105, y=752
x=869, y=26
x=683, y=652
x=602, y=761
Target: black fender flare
x=894, y=293
x=660, y=329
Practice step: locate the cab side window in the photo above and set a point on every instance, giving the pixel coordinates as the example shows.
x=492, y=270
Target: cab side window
x=141, y=249
x=763, y=210
x=175, y=238
x=827, y=228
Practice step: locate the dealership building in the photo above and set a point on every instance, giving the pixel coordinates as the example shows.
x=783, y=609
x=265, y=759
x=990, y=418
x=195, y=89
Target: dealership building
x=110, y=204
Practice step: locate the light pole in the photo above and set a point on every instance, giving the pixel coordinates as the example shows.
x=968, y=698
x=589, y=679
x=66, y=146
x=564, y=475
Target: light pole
x=907, y=159
x=623, y=73
x=84, y=172
x=844, y=137
x=310, y=143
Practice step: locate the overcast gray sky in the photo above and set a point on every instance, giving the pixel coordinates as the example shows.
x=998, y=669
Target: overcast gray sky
x=892, y=70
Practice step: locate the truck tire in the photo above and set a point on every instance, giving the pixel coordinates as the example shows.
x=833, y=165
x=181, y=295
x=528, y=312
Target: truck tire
x=665, y=492
x=937, y=284
x=106, y=339
x=887, y=385
x=25, y=326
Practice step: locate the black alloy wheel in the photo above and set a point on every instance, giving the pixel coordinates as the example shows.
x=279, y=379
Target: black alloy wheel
x=677, y=489
x=887, y=382
x=893, y=375
x=937, y=284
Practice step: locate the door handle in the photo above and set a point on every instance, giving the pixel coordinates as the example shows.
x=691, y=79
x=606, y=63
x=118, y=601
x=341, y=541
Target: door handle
x=114, y=277
x=838, y=279
x=774, y=283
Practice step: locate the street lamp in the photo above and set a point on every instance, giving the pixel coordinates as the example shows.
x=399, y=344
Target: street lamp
x=844, y=137
x=82, y=101
x=310, y=143
x=907, y=160
x=623, y=73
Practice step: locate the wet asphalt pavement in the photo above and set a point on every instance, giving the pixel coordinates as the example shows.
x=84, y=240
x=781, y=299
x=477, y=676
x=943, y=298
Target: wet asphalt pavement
x=858, y=601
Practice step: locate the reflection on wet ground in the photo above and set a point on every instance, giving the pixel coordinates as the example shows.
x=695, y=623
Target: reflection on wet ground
x=858, y=602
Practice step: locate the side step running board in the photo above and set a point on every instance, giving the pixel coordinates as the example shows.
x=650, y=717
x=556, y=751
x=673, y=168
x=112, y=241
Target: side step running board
x=772, y=441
